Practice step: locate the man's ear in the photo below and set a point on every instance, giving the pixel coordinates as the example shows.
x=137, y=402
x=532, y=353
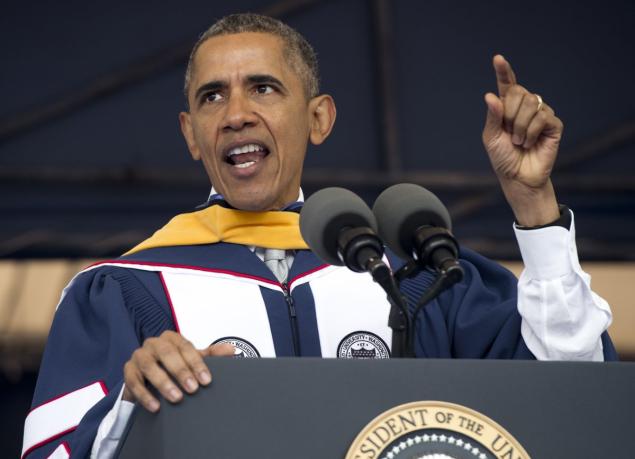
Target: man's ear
x=322, y=114
x=188, y=133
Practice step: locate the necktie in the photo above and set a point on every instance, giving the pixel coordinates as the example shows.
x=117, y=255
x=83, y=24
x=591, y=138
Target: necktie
x=276, y=261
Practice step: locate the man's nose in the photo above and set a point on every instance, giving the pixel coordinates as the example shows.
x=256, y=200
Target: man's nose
x=238, y=113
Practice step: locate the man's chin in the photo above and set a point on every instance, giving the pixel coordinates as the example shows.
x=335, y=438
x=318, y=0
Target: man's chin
x=257, y=203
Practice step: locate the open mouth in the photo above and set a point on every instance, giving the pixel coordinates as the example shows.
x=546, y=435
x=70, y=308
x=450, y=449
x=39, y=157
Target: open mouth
x=246, y=155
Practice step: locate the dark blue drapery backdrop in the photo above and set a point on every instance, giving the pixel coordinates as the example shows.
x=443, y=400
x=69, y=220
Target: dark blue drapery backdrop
x=92, y=160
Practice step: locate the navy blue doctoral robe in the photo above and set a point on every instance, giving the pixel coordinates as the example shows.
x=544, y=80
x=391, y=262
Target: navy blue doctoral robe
x=109, y=311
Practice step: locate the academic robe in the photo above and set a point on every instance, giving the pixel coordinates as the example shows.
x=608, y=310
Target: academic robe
x=219, y=292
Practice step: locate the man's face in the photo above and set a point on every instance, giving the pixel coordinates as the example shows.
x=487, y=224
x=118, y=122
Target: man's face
x=249, y=120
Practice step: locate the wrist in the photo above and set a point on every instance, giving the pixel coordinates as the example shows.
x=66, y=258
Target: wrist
x=564, y=221
x=532, y=206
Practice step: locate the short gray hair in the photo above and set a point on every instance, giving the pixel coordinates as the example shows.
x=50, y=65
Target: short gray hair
x=297, y=50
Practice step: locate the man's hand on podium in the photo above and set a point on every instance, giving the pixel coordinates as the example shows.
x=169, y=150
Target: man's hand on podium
x=163, y=360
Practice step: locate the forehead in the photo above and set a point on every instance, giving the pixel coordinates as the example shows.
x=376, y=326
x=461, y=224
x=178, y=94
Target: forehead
x=236, y=55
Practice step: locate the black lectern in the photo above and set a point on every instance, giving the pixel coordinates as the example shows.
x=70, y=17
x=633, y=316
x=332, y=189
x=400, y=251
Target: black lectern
x=317, y=408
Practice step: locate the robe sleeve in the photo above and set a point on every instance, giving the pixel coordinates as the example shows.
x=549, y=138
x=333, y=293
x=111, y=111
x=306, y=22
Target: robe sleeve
x=103, y=317
x=477, y=318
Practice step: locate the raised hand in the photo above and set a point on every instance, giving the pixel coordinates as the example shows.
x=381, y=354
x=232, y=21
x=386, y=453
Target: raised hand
x=522, y=135
x=163, y=360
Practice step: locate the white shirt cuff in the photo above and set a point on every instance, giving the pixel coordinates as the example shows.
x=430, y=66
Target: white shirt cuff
x=562, y=318
x=112, y=428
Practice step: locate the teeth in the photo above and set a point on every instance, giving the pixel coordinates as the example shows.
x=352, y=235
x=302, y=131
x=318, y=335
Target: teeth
x=244, y=165
x=251, y=147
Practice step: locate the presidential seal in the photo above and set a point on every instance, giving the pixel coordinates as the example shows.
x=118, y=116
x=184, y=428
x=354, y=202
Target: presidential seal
x=244, y=349
x=434, y=430
x=362, y=345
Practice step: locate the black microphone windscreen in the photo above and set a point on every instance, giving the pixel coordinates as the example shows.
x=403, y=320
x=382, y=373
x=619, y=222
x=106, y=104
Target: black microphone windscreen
x=326, y=213
x=401, y=209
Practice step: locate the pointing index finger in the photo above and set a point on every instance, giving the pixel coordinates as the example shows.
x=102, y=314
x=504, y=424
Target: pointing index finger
x=505, y=77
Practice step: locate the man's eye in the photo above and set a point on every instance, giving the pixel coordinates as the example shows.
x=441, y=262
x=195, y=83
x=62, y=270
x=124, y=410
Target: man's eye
x=212, y=97
x=264, y=89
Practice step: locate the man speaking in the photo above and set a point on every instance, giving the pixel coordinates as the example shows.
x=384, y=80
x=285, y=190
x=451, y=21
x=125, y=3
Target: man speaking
x=236, y=278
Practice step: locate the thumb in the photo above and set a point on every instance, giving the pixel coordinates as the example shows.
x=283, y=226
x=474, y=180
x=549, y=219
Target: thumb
x=220, y=349
x=494, y=119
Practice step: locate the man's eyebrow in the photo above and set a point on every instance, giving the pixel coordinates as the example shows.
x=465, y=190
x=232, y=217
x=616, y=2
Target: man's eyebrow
x=210, y=86
x=265, y=79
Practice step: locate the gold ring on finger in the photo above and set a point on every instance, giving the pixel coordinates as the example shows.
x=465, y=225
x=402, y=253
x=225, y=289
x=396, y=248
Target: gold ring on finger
x=540, y=102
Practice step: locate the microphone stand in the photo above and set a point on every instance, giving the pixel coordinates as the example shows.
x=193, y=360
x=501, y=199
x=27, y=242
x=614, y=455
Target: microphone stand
x=361, y=250
x=436, y=248
x=398, y=319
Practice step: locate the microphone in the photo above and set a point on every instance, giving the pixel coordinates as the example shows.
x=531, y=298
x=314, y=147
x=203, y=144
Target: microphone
x=416, y=225
x=341, y=230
